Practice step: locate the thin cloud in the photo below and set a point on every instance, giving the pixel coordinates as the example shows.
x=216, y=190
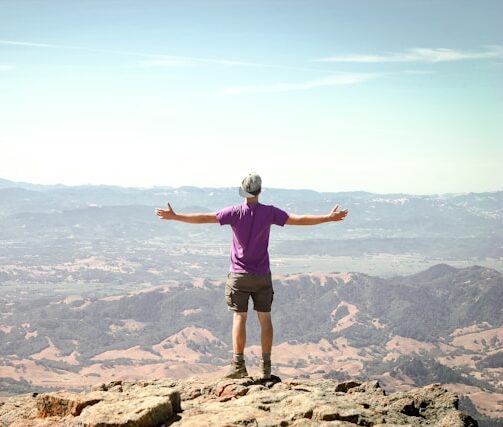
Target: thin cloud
x=168, y=62
x=179, y=61
x=416, y=72
x=7, y=67
x=28, y=44
x=333, y=80
x=156, y=59
x=419, y=55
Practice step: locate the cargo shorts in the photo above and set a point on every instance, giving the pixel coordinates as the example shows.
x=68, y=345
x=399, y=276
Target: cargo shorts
x=241, y=286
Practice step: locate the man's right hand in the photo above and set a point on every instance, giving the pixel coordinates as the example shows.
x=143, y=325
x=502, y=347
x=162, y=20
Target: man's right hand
x=168, y=213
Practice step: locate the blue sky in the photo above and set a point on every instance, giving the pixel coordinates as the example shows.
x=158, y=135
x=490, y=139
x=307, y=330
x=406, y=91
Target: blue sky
x=388, y=96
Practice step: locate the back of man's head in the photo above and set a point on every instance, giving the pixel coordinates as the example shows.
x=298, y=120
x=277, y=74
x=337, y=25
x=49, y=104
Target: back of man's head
x=251, y=186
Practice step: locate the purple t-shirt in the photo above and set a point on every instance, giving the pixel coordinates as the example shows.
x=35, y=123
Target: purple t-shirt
x=251, y=224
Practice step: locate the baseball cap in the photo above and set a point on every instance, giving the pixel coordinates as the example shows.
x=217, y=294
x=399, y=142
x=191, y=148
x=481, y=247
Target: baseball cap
x=251, y=185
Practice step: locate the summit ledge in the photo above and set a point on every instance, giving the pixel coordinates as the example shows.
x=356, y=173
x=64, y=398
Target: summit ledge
x=245, y=402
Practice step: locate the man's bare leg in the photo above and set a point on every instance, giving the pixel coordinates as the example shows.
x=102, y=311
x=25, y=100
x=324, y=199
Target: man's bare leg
x=239, y=332
x=266, y=335
x=238, y=366
x=266, y=331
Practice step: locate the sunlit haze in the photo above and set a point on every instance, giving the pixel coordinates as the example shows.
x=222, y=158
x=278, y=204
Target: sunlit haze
x=388, y=96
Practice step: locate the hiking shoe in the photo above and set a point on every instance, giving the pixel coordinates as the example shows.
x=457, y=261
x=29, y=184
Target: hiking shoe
x=237, y=370
x=264, y=370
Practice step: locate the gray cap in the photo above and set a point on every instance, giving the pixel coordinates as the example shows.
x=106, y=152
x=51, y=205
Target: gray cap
x=251, y=186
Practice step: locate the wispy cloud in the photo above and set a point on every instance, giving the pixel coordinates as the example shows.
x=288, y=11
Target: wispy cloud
x=415, y=72
x=180, y=61
x=167, y=62
x=419, y=55
x=333, y=80
x=28, y=44
x=7, y=67
x=150, y=59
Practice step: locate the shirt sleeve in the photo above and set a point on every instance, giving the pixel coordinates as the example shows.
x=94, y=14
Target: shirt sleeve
x=280, y=217
x=226, y=216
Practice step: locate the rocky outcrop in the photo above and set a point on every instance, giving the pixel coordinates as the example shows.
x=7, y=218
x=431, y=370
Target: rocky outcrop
x=117, y=404
x=249, y=402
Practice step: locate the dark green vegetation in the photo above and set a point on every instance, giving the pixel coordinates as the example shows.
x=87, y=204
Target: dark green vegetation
x=492, y=361
x=466, y=405
x=21, y=386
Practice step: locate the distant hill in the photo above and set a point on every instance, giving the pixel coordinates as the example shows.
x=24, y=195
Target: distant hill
x=372, y=215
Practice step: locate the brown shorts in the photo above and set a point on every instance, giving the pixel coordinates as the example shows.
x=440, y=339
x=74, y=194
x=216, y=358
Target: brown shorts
x=241, y=286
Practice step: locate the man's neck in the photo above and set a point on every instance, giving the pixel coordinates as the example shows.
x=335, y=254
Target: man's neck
x=251, y=200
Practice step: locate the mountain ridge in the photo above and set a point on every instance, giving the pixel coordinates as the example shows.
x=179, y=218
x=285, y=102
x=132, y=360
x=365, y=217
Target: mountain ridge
x=6, y=183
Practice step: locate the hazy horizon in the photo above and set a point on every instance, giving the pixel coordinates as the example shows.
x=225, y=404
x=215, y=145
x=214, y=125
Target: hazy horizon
x=265, y=188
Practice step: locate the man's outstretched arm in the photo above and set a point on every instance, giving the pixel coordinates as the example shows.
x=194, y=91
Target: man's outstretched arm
x=191, y=218
x=334, y=215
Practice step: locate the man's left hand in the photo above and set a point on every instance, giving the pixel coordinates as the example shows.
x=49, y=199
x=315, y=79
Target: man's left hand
x=336, y=215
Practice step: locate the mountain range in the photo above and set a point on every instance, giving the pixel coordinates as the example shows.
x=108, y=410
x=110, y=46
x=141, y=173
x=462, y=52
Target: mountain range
x=383, y=234
x=407, y=290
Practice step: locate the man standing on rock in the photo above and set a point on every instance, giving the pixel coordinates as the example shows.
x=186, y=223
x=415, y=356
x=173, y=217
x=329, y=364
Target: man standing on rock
x=250, y=274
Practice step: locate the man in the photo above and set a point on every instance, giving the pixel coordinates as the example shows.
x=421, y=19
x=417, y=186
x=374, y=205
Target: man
x=250, y=274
